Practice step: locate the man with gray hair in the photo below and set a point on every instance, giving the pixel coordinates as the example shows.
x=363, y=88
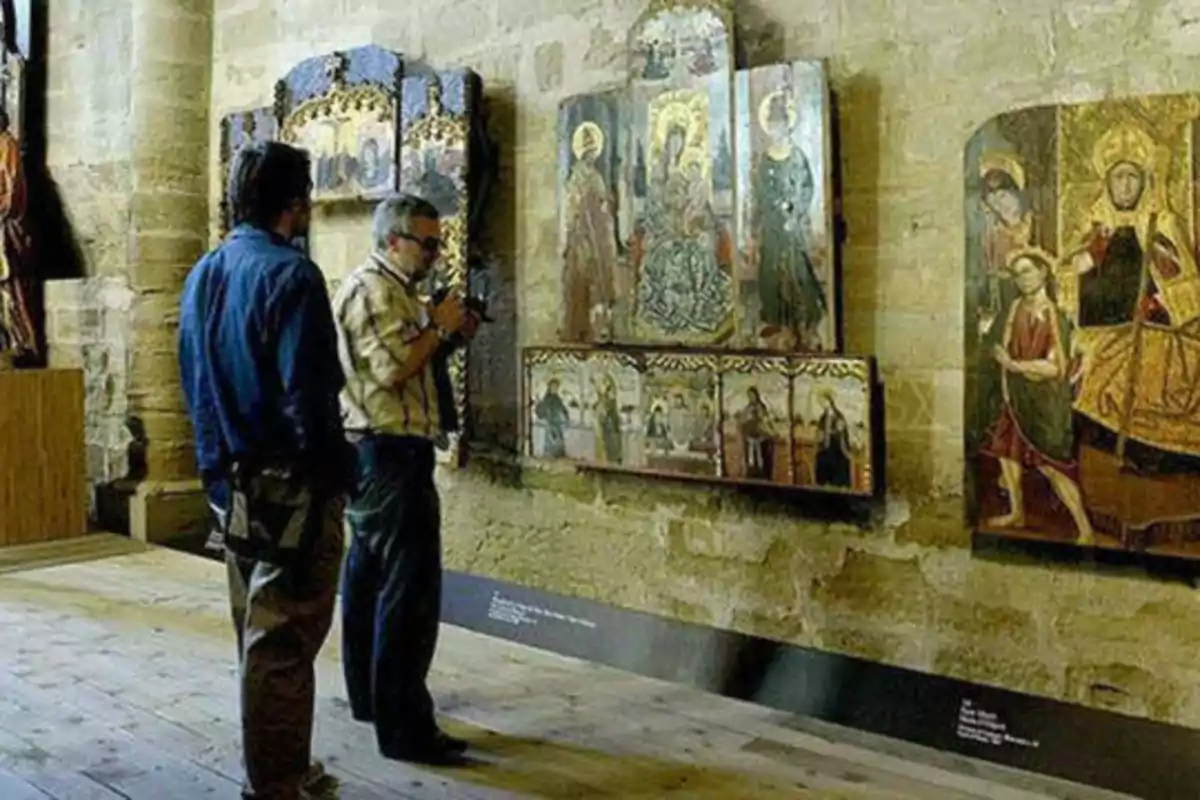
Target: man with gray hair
x=389, y=343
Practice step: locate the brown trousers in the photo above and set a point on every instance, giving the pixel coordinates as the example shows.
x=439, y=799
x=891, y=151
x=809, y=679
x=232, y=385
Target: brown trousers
x=282, y=616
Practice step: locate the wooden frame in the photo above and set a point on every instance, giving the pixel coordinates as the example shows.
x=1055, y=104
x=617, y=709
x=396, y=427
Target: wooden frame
x=622, y=409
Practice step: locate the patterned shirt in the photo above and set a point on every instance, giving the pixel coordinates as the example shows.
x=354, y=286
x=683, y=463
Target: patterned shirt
x=379, y=316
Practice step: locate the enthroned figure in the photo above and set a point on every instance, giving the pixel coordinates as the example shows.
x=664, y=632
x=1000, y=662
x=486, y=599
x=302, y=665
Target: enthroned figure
x=1034, y=427
x=1111, y=258
x=683, y=287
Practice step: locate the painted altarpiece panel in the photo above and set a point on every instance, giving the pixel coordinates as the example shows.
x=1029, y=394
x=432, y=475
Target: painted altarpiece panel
x=237, y=131
x=832, y=436
x=555, y=384
x=370, y=131
x=679, y=161
x=756, y=401
x=787, y=281
x=680, y=413
x=1083, y=344
x=696, y=202
x=597, y=283
x=438, y=111
x=343, y=109
x=803, y=422
x=584, y=406
x=21, y=315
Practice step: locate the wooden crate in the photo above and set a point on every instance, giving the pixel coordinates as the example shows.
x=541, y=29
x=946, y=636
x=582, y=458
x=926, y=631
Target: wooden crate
x=43, y=460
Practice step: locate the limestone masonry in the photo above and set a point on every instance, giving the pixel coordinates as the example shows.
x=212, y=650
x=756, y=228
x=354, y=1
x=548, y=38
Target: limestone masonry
x=137, y=90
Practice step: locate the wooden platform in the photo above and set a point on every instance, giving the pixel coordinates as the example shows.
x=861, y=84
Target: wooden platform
x=43, y=483
x=117, y=681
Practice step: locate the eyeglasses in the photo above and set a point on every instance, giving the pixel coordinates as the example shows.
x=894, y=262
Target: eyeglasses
x=430, y=244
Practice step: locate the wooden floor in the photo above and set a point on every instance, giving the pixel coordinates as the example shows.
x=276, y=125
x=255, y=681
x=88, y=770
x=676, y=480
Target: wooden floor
x=117, y=681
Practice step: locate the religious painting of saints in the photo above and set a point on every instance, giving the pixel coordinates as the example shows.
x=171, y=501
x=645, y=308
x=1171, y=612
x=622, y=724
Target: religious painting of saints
x=679, y=158
x=435, y=125
x=19, y=295
x=679, y=414
x=596, y=291
x=612, y=403
x=14, y=93
x=755, y=413
x=352, y=151
x=237, y=131
x=555, y=386
x=787, y=281
x=343, y=109
x=832, y=425
x=1086, y=419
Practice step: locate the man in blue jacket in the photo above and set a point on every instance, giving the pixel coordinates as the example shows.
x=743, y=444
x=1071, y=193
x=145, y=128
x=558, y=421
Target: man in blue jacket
x=258, y=357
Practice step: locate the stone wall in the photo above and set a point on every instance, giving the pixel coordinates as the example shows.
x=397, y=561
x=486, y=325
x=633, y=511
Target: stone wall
x=87, y=328
x=87, y=318
x=913, y=81
x=127, y=130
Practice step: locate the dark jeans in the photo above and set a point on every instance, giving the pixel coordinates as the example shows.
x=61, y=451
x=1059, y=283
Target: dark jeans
x=391, y=590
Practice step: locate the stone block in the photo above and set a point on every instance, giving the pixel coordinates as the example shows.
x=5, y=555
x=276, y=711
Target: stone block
x=548, y=66
x=545, y=13
x=161, y=260
x=157, y=211
x=889, y=591
x=977, y=619
x=984, y=665
x=165, y=34
x=172, y=84
x=160, y=512
x=453, y=28
x=1125, y=688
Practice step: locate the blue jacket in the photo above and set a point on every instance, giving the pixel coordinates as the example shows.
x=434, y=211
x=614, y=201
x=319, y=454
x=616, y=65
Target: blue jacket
x=258, y=359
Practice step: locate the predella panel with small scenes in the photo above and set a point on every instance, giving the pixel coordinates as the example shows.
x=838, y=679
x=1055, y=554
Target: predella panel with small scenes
x=798, y=421
x=1083, y=339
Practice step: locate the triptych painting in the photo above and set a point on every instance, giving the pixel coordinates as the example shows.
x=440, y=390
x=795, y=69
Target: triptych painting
x=1083, y=339
x=695, y=202
x=799, y=421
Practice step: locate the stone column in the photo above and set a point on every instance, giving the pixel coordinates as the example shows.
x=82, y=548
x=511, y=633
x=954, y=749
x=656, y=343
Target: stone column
x=168, y=231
